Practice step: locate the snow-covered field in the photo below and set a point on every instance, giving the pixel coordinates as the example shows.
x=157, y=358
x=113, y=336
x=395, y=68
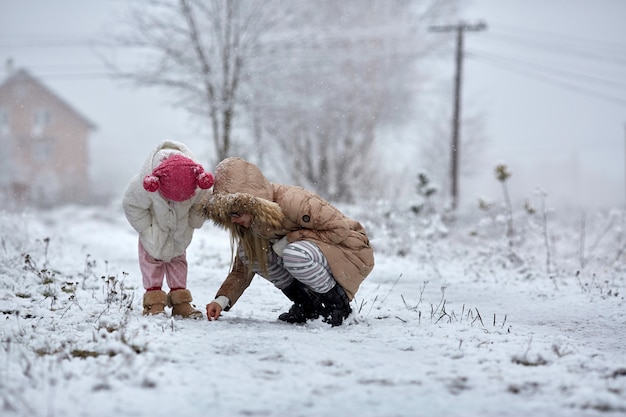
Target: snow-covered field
x=455, y=320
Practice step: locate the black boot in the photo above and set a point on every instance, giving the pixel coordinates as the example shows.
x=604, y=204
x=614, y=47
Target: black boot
x=336, y=306
x=306, y=304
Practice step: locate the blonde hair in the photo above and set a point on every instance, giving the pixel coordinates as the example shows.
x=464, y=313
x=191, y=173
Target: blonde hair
x=255, y=247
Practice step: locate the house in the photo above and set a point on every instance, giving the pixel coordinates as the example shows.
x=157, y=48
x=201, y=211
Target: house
x=43, y=145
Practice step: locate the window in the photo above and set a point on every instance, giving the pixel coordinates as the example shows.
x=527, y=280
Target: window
x=4, y=122
x=43, y=150
x=42, y=119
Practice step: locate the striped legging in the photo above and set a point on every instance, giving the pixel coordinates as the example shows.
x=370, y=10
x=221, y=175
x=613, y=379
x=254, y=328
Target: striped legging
x=301, y=260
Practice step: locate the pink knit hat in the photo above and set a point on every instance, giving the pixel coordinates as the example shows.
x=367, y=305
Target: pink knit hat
x=177, y=177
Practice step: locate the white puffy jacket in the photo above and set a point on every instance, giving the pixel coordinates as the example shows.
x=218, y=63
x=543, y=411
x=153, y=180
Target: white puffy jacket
x=165, y=227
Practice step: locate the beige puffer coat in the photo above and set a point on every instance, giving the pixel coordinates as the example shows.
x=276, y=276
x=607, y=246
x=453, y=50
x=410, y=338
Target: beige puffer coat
x=283, y=210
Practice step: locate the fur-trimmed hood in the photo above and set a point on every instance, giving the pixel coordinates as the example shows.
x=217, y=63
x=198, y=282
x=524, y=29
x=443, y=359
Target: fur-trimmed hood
x=241, y=187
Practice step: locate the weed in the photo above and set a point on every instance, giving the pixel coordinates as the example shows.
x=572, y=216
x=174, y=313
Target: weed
x=524, y=360
x=561, y=351
x=502, y=175
x=82, y=354
x=421, y=298
x=546, y=239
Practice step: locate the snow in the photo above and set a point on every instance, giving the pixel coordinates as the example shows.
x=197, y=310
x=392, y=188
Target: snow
x=456, y=319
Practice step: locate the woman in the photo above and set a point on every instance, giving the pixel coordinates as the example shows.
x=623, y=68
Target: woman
x=307, y=248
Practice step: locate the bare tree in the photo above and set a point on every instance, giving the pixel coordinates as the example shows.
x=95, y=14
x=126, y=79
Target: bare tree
x=308, y=84
x=200, y=51
x=347, y=71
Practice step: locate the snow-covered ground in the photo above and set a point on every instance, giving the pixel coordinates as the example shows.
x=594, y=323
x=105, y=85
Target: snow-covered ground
x=455, y=320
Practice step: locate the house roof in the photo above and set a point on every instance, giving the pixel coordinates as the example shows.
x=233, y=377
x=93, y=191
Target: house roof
x=21, y=75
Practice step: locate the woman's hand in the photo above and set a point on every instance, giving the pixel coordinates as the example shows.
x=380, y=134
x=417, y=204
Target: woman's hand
x=213, y=311
x=280, y=246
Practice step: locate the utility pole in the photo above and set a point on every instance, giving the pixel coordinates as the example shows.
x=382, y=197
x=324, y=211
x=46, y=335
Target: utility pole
x=460, y=29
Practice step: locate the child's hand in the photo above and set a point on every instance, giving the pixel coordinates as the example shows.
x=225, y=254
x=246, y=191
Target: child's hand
x=213, y=311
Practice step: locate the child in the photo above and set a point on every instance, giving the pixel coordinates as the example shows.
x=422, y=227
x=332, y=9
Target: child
x=162, y=205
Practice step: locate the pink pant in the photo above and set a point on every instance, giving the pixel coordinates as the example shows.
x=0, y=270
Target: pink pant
x=153, y=270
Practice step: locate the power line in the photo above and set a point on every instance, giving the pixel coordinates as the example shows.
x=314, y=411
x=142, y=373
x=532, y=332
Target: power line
x=549, y=44
x=70, y=72
x=526, y=32
x=556, y=71
x=560, y=48
x=556, y=81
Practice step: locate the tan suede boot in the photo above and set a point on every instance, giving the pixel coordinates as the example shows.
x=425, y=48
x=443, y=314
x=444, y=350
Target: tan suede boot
x=154, y=302
x=180, y=301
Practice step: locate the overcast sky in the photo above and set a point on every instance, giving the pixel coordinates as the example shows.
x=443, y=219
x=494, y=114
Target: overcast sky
x=548, y=78
x=551, y=78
